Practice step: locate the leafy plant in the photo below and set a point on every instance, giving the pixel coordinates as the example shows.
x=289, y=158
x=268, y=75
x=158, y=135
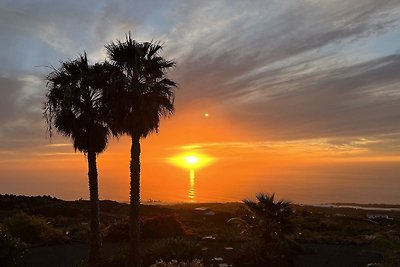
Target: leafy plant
x=258, y=253
x=175, y=263
x=117, y=231
x=172, y=249
x=162, y=226
x=32, y=229
x=270, y=218
x=389, y=247
x=11, y=249
x=79, y=233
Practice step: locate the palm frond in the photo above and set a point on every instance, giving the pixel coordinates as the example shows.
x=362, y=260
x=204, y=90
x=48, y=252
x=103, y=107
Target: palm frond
x=74, y=103
x=146, y=94
x=274, y=216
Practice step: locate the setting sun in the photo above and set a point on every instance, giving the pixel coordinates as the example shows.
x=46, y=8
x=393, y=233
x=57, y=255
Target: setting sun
x=191, y=161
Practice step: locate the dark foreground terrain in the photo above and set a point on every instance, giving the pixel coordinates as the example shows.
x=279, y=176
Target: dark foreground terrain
x=53, y=232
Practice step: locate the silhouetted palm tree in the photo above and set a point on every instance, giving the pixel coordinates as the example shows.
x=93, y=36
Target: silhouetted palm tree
x=273, y=217
x=145, y=96
x=75, y=108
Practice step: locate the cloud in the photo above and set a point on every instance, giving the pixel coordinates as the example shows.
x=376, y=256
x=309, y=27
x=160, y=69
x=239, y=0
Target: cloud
x=10, y=89
x=375, y=147
x=282, y=69
x=292, y=70
x=348, y=101
x=20, y=112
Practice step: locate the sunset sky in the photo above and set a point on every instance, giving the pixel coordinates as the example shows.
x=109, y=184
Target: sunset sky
x=302, y=98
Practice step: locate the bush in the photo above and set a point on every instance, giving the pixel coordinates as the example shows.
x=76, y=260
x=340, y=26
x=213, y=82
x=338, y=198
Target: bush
x=389, y=247
x=172, y=249
x=31, y=229
x=174, y=263
x=11, y=249
x=117, y=232
x=258, y=253
x=162, y=226
x=252, y=253
x=79, y=233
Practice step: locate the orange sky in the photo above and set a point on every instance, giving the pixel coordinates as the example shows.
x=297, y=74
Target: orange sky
x=302, y=96
x=237, y=160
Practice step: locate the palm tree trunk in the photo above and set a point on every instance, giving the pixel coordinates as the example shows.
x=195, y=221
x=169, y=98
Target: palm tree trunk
x=134, y=226
x=95, y=240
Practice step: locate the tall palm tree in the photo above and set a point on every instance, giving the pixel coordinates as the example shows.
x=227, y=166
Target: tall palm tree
x=75, y=108
x=138, y=104
x=273, y=217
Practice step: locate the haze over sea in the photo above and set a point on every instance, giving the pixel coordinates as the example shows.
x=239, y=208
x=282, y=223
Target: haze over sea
x=373, y=182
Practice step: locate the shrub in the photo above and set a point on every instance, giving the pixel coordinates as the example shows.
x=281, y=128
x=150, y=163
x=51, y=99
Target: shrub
x=162, y=226
x=11, y=249
x=79, y=233
x=258, y=253
x=174, y=263
x=251, y=253
x=31, y=229
x=117, y=231
x=270, y=218
x=118, y=259
x=233, y=234
x=389, y=247
x=82, y=263
x=172, y=249
x=25, y=227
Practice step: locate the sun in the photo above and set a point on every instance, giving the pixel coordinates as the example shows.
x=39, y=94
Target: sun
x=191, y=160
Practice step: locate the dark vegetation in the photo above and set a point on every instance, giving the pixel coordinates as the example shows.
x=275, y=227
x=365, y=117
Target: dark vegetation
x=174, y=232
x=11, y=249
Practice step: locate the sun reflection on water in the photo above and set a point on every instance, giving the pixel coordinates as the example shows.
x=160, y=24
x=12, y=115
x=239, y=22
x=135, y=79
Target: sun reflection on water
x=191, y=194
x=191, y=161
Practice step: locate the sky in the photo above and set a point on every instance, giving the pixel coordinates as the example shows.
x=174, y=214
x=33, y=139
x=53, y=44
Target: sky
x=287, y=84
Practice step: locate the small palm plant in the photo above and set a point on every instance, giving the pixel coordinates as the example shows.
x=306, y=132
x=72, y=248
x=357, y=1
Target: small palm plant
x=268, y=223
x=270, y=218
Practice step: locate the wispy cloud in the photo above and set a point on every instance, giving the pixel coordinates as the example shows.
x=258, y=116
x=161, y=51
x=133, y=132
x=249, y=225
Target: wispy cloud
x=59, y=145
x=309, y=148
x=286, y=70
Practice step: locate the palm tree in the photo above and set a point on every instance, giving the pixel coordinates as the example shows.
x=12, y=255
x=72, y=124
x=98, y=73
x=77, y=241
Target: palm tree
x=136, y=108
x=74, y=107
x=273, y=217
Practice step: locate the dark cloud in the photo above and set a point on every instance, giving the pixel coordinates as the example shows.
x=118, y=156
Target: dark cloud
x=244, y=44
x=10, y=90
x=350, y=101
x=20, y=113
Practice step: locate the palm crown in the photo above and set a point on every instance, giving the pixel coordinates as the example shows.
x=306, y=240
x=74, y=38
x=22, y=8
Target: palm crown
x=274, y=217
x=75, y=106
x=146, y=94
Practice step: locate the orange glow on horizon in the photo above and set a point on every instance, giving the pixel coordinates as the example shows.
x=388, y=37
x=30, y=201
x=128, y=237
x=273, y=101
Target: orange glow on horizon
x=208, y=150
